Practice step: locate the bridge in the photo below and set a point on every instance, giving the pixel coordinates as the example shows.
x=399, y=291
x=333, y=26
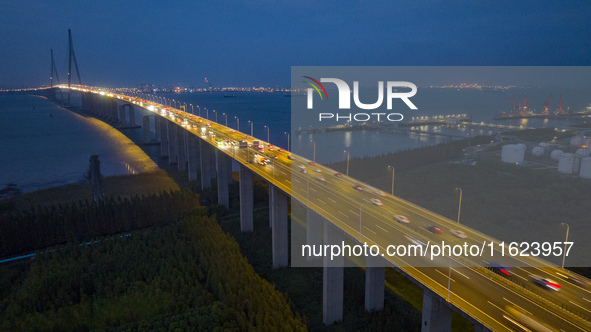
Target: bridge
x=336, y=211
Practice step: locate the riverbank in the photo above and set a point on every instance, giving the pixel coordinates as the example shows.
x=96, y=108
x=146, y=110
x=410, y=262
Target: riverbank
x=44, y=145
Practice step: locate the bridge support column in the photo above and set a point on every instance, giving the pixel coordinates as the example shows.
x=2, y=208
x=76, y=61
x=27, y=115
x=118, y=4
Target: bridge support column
x=375, y=278
x=332, y=280
x=122, y=117
x=171, y=129
x=223, y=162
x=313, y=231
x=163, y=137
x=436, y=313
x=113, y=110
x=146, y=128
x=181, y=143
x=157, y=128
x=246, y=200
x=193, y=152
x=207, y=159
x=278, y=216
x=131, y=116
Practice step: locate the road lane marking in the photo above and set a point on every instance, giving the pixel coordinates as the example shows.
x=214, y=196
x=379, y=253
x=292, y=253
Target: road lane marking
x=355, y=213
x=343, y=213
x=518, y=307
x=381, y=228
x=321, y=201
x=586, y=300
x=579, y=306
x=314, y=190
x=332, y=200
x=445, y=275
x=460, y=273
x=369, y=230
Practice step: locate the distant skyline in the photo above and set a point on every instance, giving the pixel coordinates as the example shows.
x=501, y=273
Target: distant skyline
x=255, y=43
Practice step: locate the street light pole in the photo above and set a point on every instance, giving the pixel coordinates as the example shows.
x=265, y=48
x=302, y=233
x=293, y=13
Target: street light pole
x=360, y=219
x=314, y=159
x=216, y=116
x=392, y=178
x=267, y=133
x=460, y=204
x=237, y=124
x=348, y=155
x=565, y=241
x=287, y=140
x=226, y=118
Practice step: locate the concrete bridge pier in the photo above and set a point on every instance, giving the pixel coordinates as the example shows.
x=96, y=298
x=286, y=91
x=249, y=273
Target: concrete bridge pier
x=313, y=231
x=131, y=115
x=163, y=124
x=207, y=159
x=171, y=129
x=146, y=128
x=112, y=109
x=157, y=128
x=122, y=116
x=181, y=144
x=375, y=278
x=246, y=200
x=278, y=216
x=193, y=152
x=223, y=163
x=436, y=313
x=332, y=280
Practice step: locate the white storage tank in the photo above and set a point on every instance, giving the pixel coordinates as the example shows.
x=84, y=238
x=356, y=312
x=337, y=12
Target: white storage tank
x=537, y=151
x=582, y=153
x=513, y=153
x=585, y=168
x=544, y=144
x=569, y=163
x=577, y=140
x=555, y=154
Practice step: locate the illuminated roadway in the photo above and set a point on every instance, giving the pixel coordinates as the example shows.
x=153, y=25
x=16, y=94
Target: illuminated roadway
x=500, y=303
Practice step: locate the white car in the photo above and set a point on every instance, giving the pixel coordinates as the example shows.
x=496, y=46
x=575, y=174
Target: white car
x=402, y=219
x=302, y=166
x=376, y=201
x=381, y=193
x=459, y=234
x=321, y=178
x=317, y=170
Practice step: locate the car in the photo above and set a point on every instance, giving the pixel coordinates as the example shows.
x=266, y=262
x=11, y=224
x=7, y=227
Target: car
x=376, y=202
x=270, y=148
x=275, y=157
x=321, y=178
x=498, y=268
x=380, y=193
x=280, y=150
x=302, y=166
x=304, y=171
x=402, y=219
x=232, y=131
x=317, y=170
x=209, y=124
x=577, y=282
x=312, y=163
x=338, y=175
x=434, y=229
x=545, y=283
x=289, y=157
x=358, y=187
x=459, y=234
x=414, y=240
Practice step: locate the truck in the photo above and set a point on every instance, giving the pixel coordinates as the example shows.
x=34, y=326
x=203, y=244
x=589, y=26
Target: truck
x=260, y=159
x=242, y=144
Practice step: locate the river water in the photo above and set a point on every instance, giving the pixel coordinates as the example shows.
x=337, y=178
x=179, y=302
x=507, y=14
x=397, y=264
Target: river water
x=43, y=145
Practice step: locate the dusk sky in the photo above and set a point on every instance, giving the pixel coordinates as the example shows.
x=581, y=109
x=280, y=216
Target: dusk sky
x=254, y=43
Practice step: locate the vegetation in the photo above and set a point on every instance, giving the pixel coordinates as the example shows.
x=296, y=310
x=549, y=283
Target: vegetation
x=41, y=227
x=541, y=135
x=168, y=277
